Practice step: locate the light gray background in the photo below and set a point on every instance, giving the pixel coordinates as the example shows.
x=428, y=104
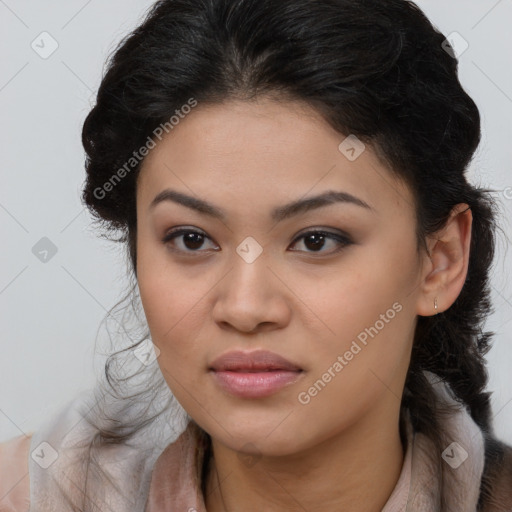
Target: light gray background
x=51, y=311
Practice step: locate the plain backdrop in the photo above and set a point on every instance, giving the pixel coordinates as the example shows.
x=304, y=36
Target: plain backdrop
x=51, y=311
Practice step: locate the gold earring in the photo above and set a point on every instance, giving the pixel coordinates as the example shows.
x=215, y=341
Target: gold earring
x=435, y=304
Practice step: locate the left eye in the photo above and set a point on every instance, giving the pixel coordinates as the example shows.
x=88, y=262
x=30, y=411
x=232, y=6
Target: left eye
x=315, y=241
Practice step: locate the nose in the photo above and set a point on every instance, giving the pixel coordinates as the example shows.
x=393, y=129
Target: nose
x=251, y=298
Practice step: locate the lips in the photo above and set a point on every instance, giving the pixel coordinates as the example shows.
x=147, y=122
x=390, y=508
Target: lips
x=257, y=374
x=252, y=362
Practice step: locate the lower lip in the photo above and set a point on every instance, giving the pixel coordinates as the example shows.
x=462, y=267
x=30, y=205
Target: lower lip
x=255, y=385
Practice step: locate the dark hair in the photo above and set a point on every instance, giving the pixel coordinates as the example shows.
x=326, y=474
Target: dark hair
x=374, y=69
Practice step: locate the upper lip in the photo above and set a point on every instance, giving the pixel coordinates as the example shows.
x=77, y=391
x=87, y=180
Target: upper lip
x=262, y=360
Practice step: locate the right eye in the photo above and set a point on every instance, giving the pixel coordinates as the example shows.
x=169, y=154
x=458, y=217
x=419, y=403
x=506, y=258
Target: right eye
x=185, y=240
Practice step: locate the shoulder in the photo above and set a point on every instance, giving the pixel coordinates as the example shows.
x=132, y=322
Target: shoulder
x=14, y=476
x=496, y=486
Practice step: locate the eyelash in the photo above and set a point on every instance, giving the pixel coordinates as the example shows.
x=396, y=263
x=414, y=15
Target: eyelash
x=343, y=240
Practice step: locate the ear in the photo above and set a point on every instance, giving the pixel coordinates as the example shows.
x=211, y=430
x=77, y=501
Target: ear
x=446, y=265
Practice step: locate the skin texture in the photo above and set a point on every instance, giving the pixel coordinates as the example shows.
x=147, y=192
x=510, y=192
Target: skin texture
x=303, y=301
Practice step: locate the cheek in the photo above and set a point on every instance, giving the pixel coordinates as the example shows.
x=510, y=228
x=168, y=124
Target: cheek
x=175, y=317
x=172, y=306
x=365, y=359
x=175, y=303
x=164, y=292
x=368, y=310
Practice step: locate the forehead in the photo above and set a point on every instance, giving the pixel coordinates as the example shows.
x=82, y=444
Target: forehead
x=263, y=150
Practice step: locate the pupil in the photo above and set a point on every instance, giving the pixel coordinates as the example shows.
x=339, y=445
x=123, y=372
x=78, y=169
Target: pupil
x=318, y=241
x=193, y=240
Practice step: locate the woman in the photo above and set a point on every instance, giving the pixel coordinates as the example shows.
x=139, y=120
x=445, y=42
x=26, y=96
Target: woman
x=289, y=180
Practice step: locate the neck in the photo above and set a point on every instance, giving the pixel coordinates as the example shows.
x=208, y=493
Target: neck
x=354, y=470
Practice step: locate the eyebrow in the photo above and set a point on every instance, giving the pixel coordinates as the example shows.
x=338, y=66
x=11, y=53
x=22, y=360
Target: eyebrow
x=278, y=214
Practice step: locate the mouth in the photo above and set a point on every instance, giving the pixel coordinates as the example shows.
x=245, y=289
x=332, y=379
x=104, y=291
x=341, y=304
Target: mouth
x=255, y=374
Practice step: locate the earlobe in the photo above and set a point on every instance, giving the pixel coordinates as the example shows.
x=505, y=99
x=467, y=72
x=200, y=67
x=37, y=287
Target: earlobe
x=449, y=258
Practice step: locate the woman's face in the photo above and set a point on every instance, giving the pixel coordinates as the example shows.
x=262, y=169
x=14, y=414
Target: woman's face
x=246, y=274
